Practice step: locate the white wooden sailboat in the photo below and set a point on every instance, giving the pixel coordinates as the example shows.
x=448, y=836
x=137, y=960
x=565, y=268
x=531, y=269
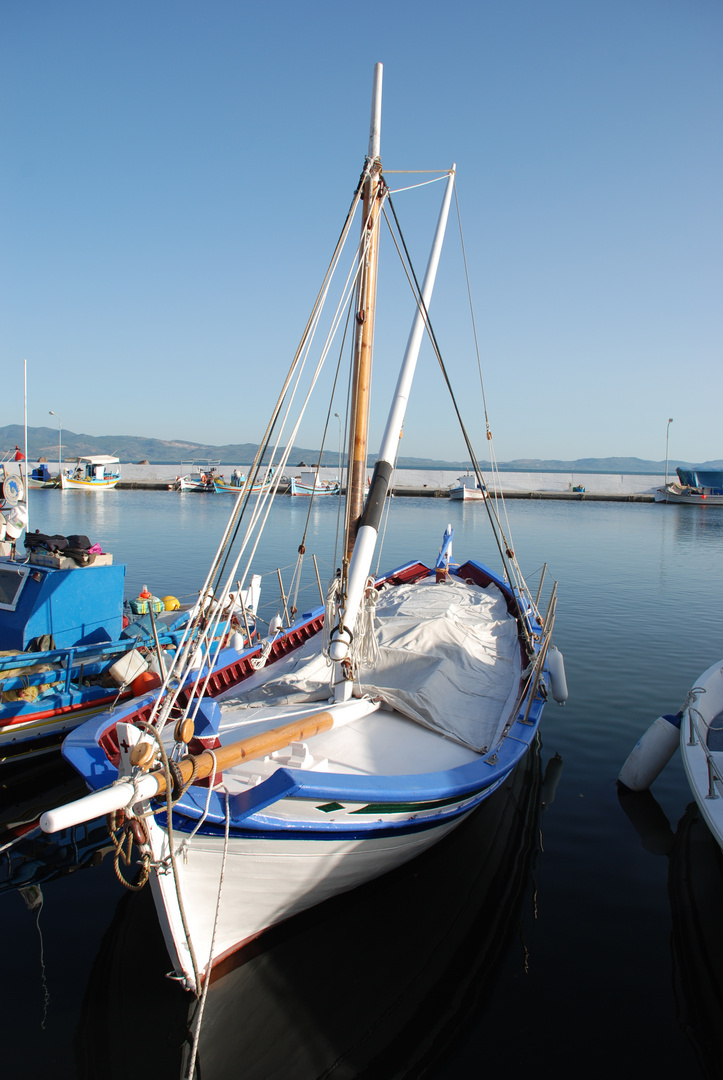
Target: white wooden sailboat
x=351, y=741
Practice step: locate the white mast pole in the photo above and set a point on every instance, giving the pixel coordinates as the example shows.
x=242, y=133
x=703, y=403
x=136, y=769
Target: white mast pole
x=387, y=451
x=369, y=526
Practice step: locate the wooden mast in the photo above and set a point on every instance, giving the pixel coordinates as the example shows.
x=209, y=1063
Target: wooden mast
x=364, y=331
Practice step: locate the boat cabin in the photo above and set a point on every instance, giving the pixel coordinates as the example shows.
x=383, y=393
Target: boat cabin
x=78, y=606
x=95, y=467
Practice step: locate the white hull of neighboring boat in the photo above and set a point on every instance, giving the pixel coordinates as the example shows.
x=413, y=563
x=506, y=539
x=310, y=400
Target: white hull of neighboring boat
x=184, y=484
x=37, y=484
x=264, y=883
x=701, y=746
x=467, y=489
x=675, y=493
x=467, y=494
x=68, y=484
x=324, y=487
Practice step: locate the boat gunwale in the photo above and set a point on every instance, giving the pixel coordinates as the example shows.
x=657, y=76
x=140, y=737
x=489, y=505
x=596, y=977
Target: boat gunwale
x=475, y=778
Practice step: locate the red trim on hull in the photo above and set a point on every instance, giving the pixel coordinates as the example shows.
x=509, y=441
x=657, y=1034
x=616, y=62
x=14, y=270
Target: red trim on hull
x=65, y=710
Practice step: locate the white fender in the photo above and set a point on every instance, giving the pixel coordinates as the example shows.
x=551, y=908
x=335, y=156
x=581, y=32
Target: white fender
x=651, y=753
x=556, y=667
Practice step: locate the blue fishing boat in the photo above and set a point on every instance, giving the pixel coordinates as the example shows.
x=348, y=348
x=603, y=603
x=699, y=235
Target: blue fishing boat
x=70, y=644
x=62, y=640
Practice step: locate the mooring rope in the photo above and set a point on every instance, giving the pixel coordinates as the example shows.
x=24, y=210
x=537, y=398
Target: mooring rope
x=207, y=981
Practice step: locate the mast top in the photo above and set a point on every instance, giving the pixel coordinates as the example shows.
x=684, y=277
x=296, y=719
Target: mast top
x=375, y=127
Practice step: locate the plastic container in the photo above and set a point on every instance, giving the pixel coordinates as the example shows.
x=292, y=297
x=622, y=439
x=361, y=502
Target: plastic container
x=129, y=667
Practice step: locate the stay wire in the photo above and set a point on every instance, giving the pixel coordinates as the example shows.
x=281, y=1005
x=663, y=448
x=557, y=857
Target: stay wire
x=505, y=552
x=266, y=440
x=328, y=414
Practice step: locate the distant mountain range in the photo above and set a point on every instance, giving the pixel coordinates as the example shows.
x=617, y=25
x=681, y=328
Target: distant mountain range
x=43, y=442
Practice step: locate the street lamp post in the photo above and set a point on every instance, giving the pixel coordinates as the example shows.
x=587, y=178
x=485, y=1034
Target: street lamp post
x=51, y=413
x=667, y=432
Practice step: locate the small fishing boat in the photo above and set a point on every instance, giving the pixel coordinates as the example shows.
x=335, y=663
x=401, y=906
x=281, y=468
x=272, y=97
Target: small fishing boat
x=69, y=645
x=468, y=489
x=92, y=473
x=41, y=477
x=200, y=477
x=238, y=481
x=359, y=734
x=697, y=487
x=310, y=483
x=64, y=649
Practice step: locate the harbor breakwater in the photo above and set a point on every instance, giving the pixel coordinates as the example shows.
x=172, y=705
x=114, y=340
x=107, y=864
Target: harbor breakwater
x=435, y=483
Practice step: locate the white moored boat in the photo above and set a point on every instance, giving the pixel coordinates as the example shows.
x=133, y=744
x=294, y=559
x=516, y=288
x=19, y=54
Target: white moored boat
x=468, y=489
x=357, y=735
x=698, y=729
x=696, y=487
x=701, y=744
x=92, y=473
x=310, y=483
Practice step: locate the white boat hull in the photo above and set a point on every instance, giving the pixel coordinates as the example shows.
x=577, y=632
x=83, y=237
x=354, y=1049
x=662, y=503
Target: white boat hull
x=36, y=485
x=324, y=487
x=265, y=882
x=467, y=494
x=68, y=484
x=701, y=746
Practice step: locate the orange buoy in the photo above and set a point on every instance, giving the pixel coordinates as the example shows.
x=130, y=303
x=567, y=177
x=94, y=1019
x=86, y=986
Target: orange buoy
x=147, y=680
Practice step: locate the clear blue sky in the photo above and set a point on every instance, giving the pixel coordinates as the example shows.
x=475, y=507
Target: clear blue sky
x=174, y=176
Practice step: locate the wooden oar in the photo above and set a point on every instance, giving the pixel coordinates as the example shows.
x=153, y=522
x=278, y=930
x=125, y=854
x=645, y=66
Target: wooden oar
x=127, y=792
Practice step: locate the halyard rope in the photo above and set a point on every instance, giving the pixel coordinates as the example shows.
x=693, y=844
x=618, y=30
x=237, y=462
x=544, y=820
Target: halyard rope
x=207, y=982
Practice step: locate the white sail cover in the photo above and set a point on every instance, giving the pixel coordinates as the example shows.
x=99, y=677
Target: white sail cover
x=449, y=658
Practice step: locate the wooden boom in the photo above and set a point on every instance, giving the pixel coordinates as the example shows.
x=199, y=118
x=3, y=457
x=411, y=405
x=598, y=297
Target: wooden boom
x=128, y=792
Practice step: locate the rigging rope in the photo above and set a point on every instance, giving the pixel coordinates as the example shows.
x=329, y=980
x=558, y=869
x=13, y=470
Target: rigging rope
x=506, y=552
x=207, y=981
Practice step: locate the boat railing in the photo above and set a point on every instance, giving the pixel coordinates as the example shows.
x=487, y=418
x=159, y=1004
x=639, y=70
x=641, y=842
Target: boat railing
x=73, y=663
x=695, y=735
x=532, y=686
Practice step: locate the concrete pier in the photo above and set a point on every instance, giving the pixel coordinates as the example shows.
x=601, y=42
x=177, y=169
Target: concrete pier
x=435, y=483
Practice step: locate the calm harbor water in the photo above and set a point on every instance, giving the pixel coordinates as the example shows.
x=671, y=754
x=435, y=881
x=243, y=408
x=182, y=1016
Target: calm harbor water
x=551, y=934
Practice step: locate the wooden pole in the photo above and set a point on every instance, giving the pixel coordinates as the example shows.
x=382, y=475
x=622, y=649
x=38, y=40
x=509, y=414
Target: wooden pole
x=364, y=331
x=256, y=746
x=149, y=785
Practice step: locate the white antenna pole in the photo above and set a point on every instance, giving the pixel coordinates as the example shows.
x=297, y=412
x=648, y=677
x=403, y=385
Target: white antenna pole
x=375, y=126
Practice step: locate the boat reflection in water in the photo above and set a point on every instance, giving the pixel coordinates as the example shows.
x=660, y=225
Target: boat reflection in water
x=695, y=888
x=377, y=982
